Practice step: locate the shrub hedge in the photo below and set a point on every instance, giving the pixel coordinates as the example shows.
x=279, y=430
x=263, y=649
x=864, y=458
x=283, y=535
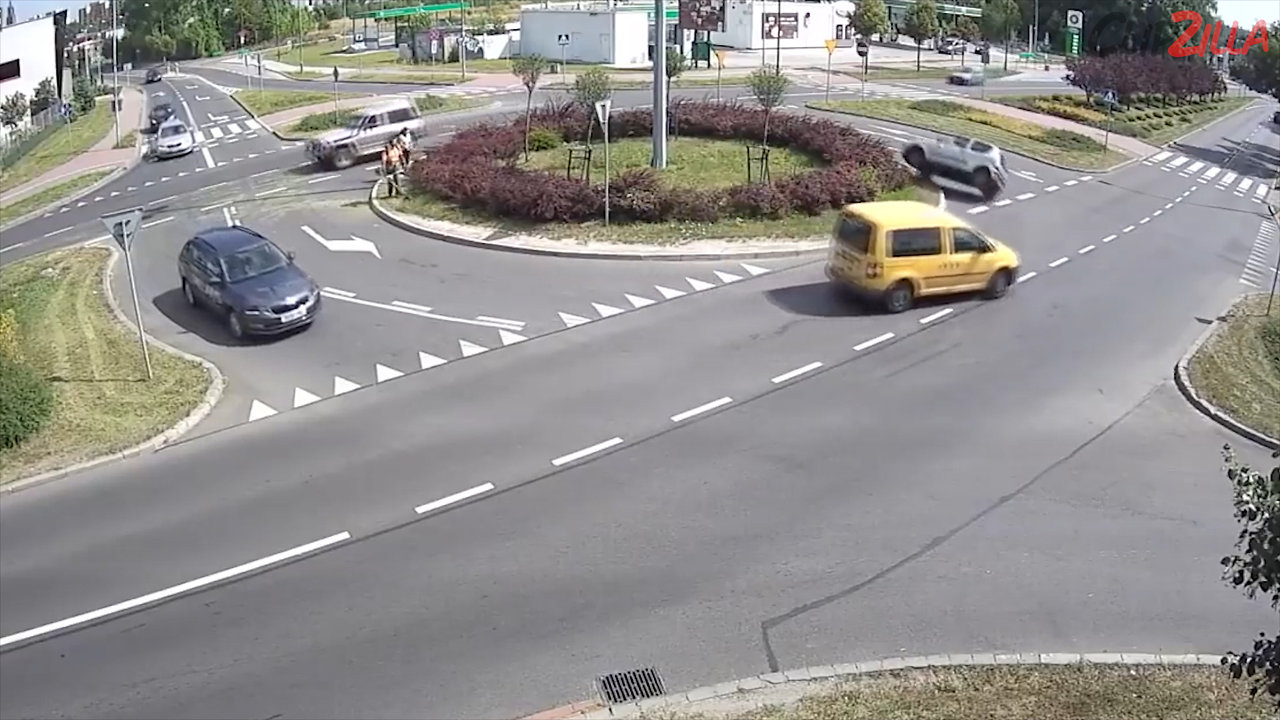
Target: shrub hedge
x=1144, y=116
x=27, y=402
x=478, y=168
x=1063, y=139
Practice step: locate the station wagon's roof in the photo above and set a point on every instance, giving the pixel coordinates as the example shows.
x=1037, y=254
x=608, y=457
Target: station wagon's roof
x=227, y=240
x=904, y=213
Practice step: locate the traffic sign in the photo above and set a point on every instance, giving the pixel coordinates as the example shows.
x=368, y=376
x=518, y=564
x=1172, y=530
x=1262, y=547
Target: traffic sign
x=563, y=39
x=123, y=226
x=863, y=48
x=1075, y=19
x=602, y=111
x=1109, y=97
x=65, y=109
x=831, y=46
x=721, y=55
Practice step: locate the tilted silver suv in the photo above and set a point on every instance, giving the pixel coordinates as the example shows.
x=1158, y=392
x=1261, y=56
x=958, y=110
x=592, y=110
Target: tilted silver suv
x=366, y=135
x=962, y=160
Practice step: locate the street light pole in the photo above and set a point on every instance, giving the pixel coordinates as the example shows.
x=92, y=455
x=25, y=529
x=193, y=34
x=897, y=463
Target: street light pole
x=659, y=84
x=115, y=71
x=777, y=27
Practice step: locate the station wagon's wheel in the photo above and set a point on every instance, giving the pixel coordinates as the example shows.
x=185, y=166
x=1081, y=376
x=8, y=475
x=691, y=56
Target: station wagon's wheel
x=187, y=293
x=343, y=159
x=900, y=297
x=999, y=284
x=233, y=325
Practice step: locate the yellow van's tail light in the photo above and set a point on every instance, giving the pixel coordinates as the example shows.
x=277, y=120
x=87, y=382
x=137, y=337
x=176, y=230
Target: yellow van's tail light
x=874, y=269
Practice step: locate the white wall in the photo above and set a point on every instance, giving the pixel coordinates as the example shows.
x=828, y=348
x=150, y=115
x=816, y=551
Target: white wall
x=744, y=20
x=31, y=43
x=631, y=38
x=590, y=34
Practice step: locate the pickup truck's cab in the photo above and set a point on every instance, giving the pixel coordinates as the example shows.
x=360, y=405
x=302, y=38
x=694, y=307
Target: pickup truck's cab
x=366, y=135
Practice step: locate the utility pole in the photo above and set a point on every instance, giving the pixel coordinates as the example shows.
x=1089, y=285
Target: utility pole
x=777, y=28
x=115, y=71
x=659, y=84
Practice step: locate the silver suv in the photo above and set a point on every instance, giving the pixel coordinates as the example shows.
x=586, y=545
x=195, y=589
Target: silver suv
x=962, y=160
x=366, y=135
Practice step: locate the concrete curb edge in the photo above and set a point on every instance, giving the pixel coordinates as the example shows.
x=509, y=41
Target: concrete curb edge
x=595, y=710
x=211, y=397
x=1182, y=378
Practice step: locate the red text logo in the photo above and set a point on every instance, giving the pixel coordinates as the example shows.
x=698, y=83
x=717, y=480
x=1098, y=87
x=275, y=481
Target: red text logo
x=1211, y=38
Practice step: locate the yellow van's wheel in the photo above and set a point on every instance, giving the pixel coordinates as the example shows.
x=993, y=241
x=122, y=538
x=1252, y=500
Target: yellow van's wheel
x=900, y=297
x=999, y=284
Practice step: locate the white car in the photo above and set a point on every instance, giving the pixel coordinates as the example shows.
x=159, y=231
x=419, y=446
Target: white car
x=172, y=139
x=967, y=76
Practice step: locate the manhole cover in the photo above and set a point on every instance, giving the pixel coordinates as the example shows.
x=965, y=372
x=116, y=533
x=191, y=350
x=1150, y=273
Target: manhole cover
x=630, y=686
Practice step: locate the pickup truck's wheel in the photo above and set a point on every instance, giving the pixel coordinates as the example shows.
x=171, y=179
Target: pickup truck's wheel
x=899, y=297
x=998, y=285
x=343, y=159
x=985, y=183
x=915, y=158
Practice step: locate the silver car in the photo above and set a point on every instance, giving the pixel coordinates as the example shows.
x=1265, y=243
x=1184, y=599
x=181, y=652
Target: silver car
x=173, y=139
x=366, y=135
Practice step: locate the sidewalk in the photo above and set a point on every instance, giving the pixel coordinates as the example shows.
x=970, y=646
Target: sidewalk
x=101, y=155
x=1128, y=145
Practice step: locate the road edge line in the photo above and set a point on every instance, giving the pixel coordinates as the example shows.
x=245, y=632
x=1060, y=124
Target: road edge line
x=212, y=394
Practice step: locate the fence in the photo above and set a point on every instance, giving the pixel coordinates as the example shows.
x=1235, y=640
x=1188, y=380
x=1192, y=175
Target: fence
x=16, y=142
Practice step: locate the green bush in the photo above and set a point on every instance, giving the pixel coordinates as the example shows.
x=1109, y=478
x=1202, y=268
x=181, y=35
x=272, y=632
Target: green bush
x=83, y=95
x=325, y=121
x=541, y=138
x=1269, y=334
x=26, y=402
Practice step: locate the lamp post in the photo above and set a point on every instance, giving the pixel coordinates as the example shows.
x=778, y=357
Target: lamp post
x=659, y=84
x=115, y=72
x=777, y=28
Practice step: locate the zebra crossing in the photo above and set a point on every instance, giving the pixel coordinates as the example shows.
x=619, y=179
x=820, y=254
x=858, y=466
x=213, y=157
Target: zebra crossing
x=227, y=131
x=880, y=91
x=1260, y=268
x=1210, y=174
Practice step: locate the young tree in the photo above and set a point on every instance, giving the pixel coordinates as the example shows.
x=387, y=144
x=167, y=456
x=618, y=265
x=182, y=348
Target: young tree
x=1256, y=566
x=999, y=17
x=871, y=18
x=46, y=96
x=676, y=65
x=589, y=88
x=768, y=85
x=967, y=29
x=921, y=23
x=14, y=110
x=529, y=69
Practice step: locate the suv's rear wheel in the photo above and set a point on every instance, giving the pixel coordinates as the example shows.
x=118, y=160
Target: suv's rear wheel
x=343, y=158
x=986, y=183
x=899, y=297
x=915, y=158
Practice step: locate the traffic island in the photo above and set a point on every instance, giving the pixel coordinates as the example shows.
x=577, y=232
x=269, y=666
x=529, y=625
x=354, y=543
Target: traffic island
x=1155, y=119
x=72, y=375
x=1232, y=373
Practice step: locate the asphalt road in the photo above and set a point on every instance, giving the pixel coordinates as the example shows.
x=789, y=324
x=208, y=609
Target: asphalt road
x=1009, y=475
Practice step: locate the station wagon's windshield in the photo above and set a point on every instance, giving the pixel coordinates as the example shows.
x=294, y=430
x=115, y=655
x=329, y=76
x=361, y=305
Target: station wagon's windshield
x=252, y=262
x=172, y=130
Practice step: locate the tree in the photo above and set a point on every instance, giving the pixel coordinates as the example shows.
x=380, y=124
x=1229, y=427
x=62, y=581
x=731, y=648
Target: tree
x=676, y=65
x=1256, y=566
x=14, y=110
x=1259, y=69
x=10, y=17
x=871, y=18
x=83, y=95
x=589, y=88
x=921, y=23
x=768, y=85
x=999, y=17
x=46, y=96
x=967, y=29
x=529, y=68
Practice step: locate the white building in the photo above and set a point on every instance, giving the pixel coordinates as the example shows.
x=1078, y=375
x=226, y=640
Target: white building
x=756, y=24
x=608, y=33
x=28, y=55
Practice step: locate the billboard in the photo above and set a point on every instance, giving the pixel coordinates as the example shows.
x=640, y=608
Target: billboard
x=785, y=26
x=706, y=15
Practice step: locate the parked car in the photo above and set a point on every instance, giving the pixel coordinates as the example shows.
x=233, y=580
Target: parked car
x=951, y=46
x=173, y=139
x=967, y=76
x=896, y=251
x=962, y=160
x=1276, y=118
x=366, y=135
x=154, y=75
x=249, y=282
x=158, y=115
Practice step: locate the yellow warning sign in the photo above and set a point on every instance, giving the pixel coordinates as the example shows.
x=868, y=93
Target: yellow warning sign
x=831, y=46
x=720, y=56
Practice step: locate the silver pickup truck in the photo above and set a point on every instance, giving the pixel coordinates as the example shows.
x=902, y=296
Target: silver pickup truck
x=366, y=135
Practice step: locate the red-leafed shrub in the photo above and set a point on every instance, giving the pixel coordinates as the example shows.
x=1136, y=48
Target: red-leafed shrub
x=476, y=168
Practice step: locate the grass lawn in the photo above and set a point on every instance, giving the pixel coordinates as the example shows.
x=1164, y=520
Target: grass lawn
x=265, y=102
x=314, y=124
x=1238, y=368
x=330, y=54
x=59, y=147
x=128, y=140
x=1151, y=121
x=103, y=401
x=1056, y=146
x=30, y=203
x=1048, y=692
x=425, y=78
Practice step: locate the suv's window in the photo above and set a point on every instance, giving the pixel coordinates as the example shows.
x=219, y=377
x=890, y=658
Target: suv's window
x=400, y=115
x=963, y=241
x=916, y=242
x=980, y=146
x=372, y=121
x=961, y=141
x=854, y=234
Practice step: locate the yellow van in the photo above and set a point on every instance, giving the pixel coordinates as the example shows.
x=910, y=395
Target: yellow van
x=896, y=251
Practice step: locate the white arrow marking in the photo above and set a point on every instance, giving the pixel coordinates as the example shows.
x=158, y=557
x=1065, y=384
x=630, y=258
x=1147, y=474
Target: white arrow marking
x=727, y=277
x=510, y=338
x=201, y=98
x=355, y=244
x=668, y=293
x=427, y=360
x=385, y=373
x=754, y=270
x=259, y=410
x=607, y=310
x=302, y=397
x=342, y=385
x=571, y=320
x=637, y=301
x=470, y=348
x=216, y=118
x=698, y=284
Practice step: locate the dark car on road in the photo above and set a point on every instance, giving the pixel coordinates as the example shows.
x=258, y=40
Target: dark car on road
x=154, y=75
x=159, y=113
x=244, y=278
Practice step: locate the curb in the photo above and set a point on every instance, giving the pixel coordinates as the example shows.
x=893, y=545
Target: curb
x=594, y=709
x=1237, y=111
x=212, y=394
x=1182, y=378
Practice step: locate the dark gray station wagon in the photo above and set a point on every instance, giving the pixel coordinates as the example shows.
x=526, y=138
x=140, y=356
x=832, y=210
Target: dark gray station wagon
x=248, y=281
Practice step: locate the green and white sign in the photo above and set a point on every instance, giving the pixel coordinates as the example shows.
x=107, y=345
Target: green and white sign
x=1072, y=48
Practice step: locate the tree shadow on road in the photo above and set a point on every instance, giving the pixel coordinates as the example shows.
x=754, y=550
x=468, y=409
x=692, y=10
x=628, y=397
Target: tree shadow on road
x=1251, y=159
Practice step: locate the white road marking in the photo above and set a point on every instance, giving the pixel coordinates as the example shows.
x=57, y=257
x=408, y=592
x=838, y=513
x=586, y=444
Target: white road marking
x=516, y=324
x=233, y=128
x=1158, y=157
x=63, y=210
x=166, y=197
x=873, y=341
x=698, y=285
x=753, y=269
x=1246, y=282
x=1025, y=196
x=302, y=397
x=469, y=348
x=1226, y=180
x=115, y=193
x=58, y=232
x=382, y=373
x=1179, y=162
x=426, y=360
x=178, y=589
x=936, y=316
x=265, y=172
x=153, y=223
x=132, y=188
x=1157, y=213
x=99, y=199
x=216, y=132
x=208, y=158
x=454, y=498
x=790, y=374
x=226, y=214
x=1052, y=188
x=1002, y=203
x=578, y=455
x=1260, y=190
x=199, y=136
x=335, y=291
x=678, y=417
x=321, y=179
x=1087, y=249
x=573, y=320
x=637, y=301
x=1109, y=238
x=978, y=210
x=1059, y=261
x=607, y=310
x=1243, y=186
x=149, y=183
x=1128, y=229
x=510, y=338
x=1191, y=169
x=1027, y=276
x=272, y=191
x=342, y=385
x=1210, y=174
x=1069, y=183
x=207, y=208
x=668, y=293
x=1086, y=178
x=1144, y=220
x=727, y=278
x=411, y=306
x=252, y=124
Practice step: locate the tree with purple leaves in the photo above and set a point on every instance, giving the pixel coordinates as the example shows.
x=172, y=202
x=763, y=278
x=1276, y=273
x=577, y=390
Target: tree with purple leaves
x=1131, y=74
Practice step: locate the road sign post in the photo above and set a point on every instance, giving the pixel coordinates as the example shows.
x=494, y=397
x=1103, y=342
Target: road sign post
x=335, y=91
x=564, y=57
x=864, y=51
x=124, y=226
x=602, y=114
x=831, y=50
x=720, y=56
x=1108, y=97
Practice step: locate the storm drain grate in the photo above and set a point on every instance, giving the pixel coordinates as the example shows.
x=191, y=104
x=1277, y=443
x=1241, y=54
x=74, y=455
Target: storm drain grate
x=630, y=686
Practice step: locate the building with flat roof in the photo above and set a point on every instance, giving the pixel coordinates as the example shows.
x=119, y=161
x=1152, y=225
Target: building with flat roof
x=31, y=52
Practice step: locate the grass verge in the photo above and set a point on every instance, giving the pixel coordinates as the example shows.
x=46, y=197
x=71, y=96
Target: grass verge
x=59, y=147
x=1045, y=692
x=331, y=54
x=68, y=334
x=311, y=125
x=30, y=203
x=1058, y=147
x=1238, y=368
x=1147, y=119
x=264, y=102
x=128, y=140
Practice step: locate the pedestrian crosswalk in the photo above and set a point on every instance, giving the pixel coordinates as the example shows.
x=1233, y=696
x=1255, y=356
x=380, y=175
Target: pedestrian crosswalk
x=229, y=130
x=1209, y=174
x=879, y=91
x=1260, y=269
